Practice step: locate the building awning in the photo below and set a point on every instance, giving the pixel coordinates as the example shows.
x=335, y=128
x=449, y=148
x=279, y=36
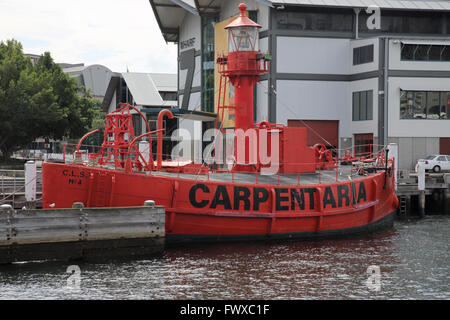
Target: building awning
x=183, y=113
x=427, y=42
x=143, y=89
x=170, y=13
x=165, y=81
x=383, y=4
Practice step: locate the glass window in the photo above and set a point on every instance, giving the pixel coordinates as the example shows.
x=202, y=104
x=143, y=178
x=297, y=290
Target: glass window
x=407, y=52
x=433, y=105
x=406, y=104
x=369, y=105
x=243, y=39
x=421, y=53
x=356, y=56
x=362, y=105
x=315, y=19
x=424, y=104
x=434, y=53
x=355, y=106
x=445, y=105
x=403, y=104
x=167, y=95
x=441, y=158
x=363, y=54
x=405, y=22
x=420, y=98
x=445, y=55
x=208, y=62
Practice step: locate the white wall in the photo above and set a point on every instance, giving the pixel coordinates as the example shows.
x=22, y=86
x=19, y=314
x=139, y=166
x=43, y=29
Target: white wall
x=262, y=101
x=190, y=28
x=312, y=55
x=315, y=100
x=421, y=127
x=365, y=67
x=365, y=126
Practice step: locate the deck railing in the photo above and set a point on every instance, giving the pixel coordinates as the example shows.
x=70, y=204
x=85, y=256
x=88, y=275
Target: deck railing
x=345, y=166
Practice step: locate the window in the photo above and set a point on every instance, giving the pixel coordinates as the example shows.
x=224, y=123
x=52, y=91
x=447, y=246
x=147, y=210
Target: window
x=424, y=104
x=445, y=105
x=315, y=19
x=208, y=62
x=419, y=22
x=168, y=95
x=362, y=105
x=425, y=52
x=433, y=105
x=419, y=105
x=363, y=54
x=442, y=158
x=137, y=124
x=363, y=144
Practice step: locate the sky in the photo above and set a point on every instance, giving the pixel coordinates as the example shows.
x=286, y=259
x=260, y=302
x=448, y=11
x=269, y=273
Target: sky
x=121, y=35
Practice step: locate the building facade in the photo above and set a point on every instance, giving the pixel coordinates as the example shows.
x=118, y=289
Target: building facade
x=149, y=92
x=349, y=75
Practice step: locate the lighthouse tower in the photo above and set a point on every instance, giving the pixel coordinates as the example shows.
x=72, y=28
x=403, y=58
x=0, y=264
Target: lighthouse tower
x=254, y=143
x=243, y=65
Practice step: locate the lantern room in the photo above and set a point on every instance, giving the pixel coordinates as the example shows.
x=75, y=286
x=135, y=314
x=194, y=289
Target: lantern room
x=242, y=33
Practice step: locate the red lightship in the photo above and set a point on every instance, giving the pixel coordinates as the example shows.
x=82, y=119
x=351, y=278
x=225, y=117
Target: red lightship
x=277, y=187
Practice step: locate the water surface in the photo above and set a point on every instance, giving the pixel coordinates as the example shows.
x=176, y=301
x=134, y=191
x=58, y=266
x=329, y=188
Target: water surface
x=413, y=260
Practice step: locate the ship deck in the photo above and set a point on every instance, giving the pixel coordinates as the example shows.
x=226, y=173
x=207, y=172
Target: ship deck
x=343, y=173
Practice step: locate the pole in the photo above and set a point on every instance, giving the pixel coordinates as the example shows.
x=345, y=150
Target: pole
x=30, y=184
x=421, y=187
x=393, y=153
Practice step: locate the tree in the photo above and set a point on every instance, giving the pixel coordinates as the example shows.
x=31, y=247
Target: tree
x=39, y=100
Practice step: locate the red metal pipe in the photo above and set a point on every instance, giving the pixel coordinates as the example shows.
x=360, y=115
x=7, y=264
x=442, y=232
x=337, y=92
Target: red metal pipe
x=84, y=137
x=150, y=147
x=161, y=115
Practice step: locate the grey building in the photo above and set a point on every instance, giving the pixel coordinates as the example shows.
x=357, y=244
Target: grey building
x=351, y=77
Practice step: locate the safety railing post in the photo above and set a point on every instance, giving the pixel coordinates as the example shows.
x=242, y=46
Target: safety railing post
x=337, y=179
x=351, y=170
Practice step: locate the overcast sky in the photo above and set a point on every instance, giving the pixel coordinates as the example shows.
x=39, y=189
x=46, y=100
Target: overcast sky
x=115, y=33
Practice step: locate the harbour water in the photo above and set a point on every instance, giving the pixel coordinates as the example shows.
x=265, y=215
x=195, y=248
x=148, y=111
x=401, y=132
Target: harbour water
x=410, y=261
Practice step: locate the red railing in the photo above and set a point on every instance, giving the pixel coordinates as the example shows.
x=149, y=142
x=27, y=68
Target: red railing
x=358, y=166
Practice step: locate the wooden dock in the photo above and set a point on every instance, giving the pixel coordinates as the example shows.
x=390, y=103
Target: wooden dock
x=412, y=192
x=80, y=233
x=12, y=188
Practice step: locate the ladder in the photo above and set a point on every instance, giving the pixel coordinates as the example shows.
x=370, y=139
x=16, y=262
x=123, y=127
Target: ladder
x=402, y=206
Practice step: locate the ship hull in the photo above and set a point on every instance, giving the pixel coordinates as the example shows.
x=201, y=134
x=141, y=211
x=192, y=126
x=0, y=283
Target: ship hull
x=206, y=210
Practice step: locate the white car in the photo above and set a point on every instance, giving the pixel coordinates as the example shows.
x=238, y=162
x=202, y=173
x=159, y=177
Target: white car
x=437, y=162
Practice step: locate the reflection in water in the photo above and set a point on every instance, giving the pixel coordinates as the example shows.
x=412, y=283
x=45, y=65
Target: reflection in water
x=413, y=259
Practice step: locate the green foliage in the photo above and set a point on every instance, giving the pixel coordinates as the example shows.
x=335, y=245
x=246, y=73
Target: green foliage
x=39, y=100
